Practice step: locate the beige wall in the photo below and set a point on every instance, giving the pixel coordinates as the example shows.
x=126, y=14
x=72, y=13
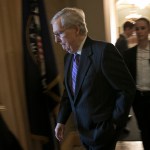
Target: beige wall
x=94, y=16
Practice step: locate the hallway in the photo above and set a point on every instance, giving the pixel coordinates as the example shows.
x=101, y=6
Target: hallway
x=129, y=145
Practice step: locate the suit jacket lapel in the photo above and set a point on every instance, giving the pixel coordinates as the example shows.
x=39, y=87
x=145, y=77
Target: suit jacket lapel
x=134, y=57
x=84, y=65
x=83, y=68
x=68, y=75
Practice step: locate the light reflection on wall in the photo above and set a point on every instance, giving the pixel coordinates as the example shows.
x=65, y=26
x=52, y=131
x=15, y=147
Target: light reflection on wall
x=132, y=10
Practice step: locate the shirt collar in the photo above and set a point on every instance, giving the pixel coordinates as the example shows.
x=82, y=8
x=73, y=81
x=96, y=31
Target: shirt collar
x=81, y=46
x=146, y=48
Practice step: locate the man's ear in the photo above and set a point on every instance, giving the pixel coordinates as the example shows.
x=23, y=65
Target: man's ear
x=77, y=29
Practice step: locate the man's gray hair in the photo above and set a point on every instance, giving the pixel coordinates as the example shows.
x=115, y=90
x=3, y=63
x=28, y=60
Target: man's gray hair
x=72, y=17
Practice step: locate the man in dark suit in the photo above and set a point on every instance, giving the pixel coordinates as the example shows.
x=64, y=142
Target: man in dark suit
x=122, y=45
x=101, y=93
x=138, y=61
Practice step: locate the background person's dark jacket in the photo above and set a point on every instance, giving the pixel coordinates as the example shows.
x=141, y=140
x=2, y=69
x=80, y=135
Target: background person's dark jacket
x=121, y=43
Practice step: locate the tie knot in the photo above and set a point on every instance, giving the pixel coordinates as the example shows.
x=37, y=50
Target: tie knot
x=77, y=58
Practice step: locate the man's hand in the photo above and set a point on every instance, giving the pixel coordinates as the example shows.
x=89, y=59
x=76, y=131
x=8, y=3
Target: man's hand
x=59, y=131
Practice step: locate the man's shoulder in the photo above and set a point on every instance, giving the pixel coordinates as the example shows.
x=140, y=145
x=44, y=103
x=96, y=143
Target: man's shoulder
x=100, y=43
x=121, y=38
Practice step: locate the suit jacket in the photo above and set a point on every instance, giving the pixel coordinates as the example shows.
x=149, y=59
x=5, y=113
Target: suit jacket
x=104, y=89
x=130, y=59
x=122, y=43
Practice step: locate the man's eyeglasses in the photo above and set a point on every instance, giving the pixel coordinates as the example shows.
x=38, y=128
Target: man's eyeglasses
x=140, y=28
x=60, y=33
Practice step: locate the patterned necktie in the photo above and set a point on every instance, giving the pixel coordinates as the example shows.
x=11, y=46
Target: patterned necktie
x=75, y=70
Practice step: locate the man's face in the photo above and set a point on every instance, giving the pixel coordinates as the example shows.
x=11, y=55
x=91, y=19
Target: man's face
x=142, y=30
x=66, y=37
x=129, y=31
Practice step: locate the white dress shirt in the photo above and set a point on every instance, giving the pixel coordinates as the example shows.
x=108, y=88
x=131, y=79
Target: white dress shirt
x=143, y=69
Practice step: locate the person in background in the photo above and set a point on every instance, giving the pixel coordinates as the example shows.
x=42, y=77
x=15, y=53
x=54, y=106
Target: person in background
x=138, y=62
x=122, y=42
x=98, y=87
x=132, y=40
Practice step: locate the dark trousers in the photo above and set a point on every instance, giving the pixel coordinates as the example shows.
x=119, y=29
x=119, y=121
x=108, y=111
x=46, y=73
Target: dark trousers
x=141, y=108
x=106, y=140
